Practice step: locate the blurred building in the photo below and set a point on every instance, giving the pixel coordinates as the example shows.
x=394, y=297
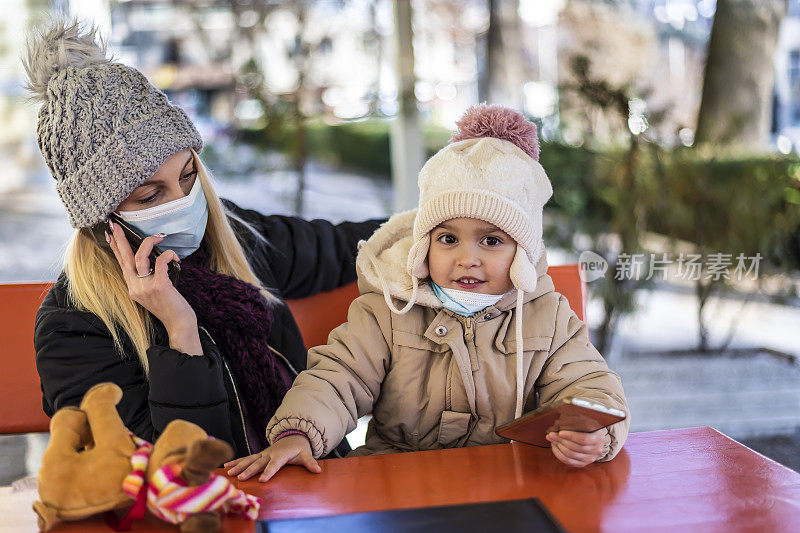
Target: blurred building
x=786, y=104
x=19, y=156
x=675, y=73
x=184, y=49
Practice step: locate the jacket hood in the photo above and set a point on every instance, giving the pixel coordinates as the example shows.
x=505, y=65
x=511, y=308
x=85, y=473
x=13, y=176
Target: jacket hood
x=390, y=245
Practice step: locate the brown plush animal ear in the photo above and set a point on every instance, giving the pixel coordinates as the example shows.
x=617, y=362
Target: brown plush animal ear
x=202, y=458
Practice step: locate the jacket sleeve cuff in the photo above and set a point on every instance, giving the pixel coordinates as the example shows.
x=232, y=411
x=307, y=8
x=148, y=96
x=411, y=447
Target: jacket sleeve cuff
x=607, y=441
x=614, y=442
x=277, y=428
x=288, y=433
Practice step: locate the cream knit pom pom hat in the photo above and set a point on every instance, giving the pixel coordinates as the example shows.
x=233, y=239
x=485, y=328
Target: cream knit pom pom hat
x=491, y=172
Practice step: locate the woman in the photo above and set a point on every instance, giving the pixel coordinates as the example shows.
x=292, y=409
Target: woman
x=220, y=347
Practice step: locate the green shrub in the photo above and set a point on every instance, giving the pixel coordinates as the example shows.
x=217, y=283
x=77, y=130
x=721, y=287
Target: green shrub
x=731, y=204
x=360, y=146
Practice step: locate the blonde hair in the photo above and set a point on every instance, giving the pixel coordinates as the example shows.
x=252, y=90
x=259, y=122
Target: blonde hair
x=96, y=285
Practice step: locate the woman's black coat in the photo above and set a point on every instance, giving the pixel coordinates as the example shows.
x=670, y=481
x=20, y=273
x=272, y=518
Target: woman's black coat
x=74, y=349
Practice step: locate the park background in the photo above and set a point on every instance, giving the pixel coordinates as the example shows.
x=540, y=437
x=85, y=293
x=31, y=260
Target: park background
x=670, y=130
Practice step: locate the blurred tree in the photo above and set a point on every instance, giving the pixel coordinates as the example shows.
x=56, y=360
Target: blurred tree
x=614, y=219
x=619, y=46
x=738, y=81
x=735, y=109
x=263, y=22
x=500, y=81
x=732, y=210
x=407, y=150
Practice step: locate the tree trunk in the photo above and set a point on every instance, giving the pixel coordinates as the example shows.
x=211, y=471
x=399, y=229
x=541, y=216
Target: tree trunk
x=738, y=80
x=300, y=151
x=500, y=79
x=406, y=140
x=703, y=292
x=300, y=156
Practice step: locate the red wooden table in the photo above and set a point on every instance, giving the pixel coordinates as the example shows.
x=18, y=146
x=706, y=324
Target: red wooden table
x=688, y=479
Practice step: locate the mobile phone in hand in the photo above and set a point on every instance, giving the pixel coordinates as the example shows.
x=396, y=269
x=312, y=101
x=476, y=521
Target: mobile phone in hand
x=135, y=239
x=574, y=414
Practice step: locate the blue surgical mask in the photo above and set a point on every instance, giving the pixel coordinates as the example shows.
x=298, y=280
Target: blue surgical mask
x=464, y=303
x=182, y=220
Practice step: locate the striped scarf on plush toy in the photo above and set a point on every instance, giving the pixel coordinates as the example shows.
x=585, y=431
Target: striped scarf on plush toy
x=170, y=498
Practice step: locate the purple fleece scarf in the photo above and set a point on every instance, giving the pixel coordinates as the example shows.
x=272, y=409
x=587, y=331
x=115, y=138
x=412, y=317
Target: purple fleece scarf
x=239, y=319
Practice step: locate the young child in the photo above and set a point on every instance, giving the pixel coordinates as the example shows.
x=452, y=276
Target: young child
x=479, y=336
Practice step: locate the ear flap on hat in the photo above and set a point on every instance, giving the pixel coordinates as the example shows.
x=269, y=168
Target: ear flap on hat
x=417, y=265
x=523, y=271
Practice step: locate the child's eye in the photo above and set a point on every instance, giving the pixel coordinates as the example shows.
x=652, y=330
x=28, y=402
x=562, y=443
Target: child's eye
x=447, y=239
x=491, y=241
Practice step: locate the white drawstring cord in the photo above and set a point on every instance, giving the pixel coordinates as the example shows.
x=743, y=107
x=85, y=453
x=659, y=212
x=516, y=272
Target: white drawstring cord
x=362, y=246
x=520, y=377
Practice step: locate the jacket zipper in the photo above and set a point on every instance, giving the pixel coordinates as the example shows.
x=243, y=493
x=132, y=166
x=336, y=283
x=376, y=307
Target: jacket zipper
x=285, y=360
x=469, y=340
x=472, y=351
x=468, y=331
x=235, y=393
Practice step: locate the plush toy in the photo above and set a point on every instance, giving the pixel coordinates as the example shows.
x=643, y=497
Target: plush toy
x=93, y=464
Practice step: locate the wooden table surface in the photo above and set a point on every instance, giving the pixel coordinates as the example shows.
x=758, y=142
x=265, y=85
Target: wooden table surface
x=688, y=479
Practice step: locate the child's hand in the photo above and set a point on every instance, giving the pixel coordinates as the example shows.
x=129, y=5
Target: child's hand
x=578, y=449
x=292, y=449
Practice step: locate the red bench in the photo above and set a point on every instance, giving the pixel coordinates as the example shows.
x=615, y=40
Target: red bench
x=20, y=393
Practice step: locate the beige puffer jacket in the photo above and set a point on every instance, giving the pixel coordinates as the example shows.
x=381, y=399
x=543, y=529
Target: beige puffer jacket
x=434, y=379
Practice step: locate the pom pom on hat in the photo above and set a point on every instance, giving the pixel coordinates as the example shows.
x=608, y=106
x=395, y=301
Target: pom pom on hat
x=501, y=123
x=62, y=44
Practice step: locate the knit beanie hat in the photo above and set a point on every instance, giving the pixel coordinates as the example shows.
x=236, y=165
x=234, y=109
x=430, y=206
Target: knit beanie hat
x=103, y=128
x=489, y=171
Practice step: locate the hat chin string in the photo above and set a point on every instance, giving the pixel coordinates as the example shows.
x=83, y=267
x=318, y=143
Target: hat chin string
x=385, y=286
x=520, y=348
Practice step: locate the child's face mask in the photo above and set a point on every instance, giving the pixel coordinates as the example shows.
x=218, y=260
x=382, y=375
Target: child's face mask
x=471, y=255
x=464, y=303
x=183, y=220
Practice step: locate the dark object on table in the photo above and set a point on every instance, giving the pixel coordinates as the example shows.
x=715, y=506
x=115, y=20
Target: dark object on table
x=527, y=515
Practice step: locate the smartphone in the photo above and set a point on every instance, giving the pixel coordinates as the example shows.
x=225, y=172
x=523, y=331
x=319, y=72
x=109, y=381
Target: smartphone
x=569, y=413
x=135, y=239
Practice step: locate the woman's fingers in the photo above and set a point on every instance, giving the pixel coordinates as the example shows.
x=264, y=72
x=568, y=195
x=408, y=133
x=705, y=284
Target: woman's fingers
x=122, y=251
x=142, y=257
x=162, y=264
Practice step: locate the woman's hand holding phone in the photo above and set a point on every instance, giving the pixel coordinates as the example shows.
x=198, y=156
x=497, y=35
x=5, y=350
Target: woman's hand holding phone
x=155, y=292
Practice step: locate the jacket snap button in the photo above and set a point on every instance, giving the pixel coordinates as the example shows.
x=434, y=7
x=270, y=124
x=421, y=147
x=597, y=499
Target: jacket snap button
x=488, y=316
x=441, y=331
